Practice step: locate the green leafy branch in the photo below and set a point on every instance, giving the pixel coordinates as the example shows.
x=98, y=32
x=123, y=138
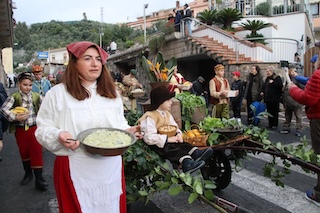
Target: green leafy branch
x=302, y=154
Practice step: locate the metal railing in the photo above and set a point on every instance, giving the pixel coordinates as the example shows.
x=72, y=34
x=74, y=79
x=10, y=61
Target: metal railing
x=273, y=49
x=212, y=32
x=267, y=7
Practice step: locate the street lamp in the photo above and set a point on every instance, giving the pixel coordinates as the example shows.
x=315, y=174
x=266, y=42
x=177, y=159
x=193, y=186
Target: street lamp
x=145, y=6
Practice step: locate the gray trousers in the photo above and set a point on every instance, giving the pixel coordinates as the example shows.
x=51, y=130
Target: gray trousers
x=289, y=111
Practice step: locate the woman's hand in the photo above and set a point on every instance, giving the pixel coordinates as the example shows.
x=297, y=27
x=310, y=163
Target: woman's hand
x=136, y=131
x=64, y=139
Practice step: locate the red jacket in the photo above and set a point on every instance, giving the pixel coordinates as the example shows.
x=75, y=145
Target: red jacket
x=310, y=96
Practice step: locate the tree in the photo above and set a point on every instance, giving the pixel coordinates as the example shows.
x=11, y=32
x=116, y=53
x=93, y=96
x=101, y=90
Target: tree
x=254, y=26
x=21, y=35
x=263, y=9
x=227, y=16
x=208, y=16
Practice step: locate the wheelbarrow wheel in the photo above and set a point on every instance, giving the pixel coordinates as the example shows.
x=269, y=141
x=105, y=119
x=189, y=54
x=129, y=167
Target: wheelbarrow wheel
x=218, y=170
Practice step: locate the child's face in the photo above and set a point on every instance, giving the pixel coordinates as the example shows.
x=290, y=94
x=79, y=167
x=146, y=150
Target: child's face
x=165, y=105
x=220, y=73
x=37, y=75
x=235, y=77
x=25, y=86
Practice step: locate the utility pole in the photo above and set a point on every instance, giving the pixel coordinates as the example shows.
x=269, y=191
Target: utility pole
x=101, y=27
x=145, y=6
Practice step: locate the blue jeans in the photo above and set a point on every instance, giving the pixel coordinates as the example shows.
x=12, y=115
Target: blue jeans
x=188, y=26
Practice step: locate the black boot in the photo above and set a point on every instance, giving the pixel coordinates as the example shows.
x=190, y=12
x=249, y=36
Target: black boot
x=40, y=183
x=204, y=155
x=28, y=173
x=189, y=165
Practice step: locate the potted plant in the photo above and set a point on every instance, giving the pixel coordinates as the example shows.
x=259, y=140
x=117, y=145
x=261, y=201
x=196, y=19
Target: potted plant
x=158, y=71
x=254, y=26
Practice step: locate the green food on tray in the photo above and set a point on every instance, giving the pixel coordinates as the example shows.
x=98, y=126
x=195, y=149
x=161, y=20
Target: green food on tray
x=107, y=139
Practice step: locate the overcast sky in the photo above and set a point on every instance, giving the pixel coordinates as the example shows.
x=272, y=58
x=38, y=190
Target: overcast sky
x=114, y=11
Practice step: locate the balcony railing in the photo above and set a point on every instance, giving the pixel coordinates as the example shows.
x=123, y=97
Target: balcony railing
x=273, y=49
x=266, y=7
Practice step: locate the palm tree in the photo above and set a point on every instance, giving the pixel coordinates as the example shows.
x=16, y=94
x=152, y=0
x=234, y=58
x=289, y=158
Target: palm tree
x=227, y=16
x=254, y=26
x=208, y=16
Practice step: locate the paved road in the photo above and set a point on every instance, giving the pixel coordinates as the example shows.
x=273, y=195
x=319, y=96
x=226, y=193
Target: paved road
x=249, y=189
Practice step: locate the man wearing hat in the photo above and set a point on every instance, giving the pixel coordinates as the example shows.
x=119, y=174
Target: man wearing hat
x=131, y=82
x=236, y=102
x=40, y=85
x=169, y=147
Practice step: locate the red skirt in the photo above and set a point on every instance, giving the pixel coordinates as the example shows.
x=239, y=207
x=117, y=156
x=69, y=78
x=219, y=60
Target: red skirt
x=65, y=191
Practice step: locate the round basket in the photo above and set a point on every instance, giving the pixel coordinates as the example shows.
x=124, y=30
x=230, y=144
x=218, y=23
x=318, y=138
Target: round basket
x=169, y=130
x=200, y=140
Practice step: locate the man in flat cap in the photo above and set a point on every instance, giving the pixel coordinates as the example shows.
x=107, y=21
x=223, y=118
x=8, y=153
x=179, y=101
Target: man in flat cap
x=219, y=88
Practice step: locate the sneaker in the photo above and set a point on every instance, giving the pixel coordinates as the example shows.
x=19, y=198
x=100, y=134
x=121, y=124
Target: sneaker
x=309, y=195
x=202, y=154
x=189, y=165
x=298, y=134
x=284, y=131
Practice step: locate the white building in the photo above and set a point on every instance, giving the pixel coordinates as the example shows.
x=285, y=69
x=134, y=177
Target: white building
x=55, y=60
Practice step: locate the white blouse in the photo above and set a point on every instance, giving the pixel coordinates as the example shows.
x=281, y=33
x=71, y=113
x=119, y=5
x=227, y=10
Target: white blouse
x=97, y=179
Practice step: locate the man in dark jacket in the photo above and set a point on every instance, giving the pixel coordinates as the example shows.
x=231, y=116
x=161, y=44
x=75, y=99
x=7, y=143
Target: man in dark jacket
x=254, y=85
x=237, y=84
x=291, y=106
x=177, y=19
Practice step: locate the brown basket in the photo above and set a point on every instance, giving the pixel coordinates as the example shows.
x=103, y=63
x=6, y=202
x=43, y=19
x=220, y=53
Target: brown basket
x=200, y=140
x=163, y=130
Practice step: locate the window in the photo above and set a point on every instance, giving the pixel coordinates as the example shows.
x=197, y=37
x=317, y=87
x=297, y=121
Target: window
x=314, y=9
x=53, y=58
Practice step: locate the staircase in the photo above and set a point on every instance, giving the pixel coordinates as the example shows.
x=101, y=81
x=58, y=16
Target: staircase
x=218, y=51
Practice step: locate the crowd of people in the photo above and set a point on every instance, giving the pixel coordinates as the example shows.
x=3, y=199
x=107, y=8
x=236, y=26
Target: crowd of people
x=90, y=96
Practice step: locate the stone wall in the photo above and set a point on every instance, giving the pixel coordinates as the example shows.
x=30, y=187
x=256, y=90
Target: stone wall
x=192, y=61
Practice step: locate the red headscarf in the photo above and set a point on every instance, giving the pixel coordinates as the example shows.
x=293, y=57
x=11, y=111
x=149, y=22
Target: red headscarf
x=78, y=48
